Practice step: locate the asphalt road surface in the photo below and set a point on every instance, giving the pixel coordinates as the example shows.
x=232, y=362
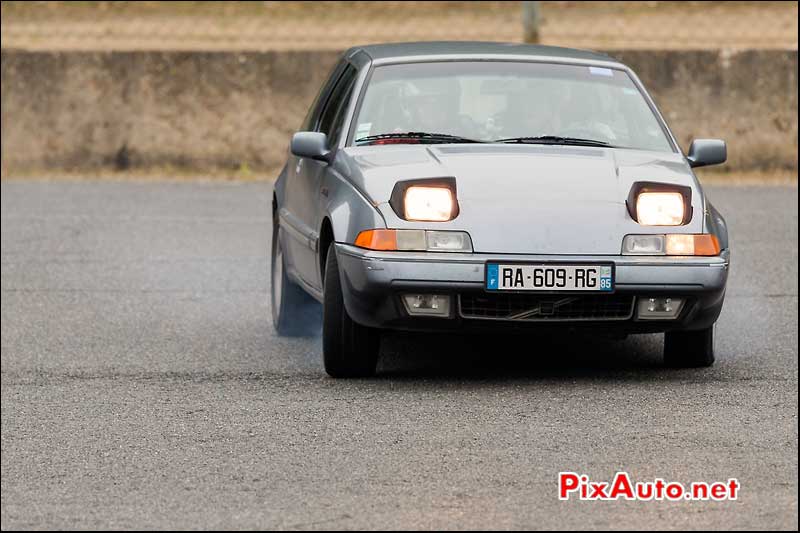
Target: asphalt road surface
x=143, y=387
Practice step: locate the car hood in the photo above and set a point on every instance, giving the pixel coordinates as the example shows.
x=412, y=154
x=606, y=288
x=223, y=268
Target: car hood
x=527, y=199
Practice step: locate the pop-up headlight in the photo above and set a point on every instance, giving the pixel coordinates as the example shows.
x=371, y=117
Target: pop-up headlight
x=660, y=204
x=660, y=208
x=432, y=204
x=425, y=200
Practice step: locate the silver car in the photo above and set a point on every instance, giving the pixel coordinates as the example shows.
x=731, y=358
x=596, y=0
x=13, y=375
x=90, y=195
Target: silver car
x=473, y=186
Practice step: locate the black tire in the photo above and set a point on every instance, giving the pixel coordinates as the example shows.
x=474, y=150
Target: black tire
x=294, y=312
x=689, y=349
x=349, y=350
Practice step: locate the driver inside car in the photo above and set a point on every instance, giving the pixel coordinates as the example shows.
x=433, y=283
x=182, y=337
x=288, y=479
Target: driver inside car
x=538, y=117
x=433, y=106
x=582, y=112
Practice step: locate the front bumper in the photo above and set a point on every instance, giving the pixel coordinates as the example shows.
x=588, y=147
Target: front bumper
x=373, y=282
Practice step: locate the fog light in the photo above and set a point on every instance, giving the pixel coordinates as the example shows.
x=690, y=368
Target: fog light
x=448, y=241
x=643, y=245
x=659, y=308
x=427, y=304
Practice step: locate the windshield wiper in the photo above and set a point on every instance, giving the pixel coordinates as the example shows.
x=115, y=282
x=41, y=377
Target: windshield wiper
x=554, y=139
x=420, y=136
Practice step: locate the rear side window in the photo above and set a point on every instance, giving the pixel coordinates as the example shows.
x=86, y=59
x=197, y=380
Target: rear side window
x=312, y=117
x=338, y=122
x=336, y=101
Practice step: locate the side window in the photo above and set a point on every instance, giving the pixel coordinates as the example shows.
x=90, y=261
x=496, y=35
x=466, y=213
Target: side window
x=312, y=117
x=338, y=96
x=338, y=122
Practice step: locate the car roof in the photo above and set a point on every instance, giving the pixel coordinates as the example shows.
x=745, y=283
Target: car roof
x=435, y=49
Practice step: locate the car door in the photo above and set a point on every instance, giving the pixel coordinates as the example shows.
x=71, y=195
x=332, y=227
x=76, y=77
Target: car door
x=296, y=234
x=304, y=198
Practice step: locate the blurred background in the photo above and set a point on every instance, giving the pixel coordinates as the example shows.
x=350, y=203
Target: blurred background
x=338, y=25
x=222, y=85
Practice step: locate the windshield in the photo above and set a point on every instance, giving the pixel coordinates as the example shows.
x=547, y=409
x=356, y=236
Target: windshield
x=493, y=101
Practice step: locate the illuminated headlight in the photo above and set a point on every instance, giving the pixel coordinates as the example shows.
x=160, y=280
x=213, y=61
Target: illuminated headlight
x=704, y=244
x=411, y=240
x=432, y=204
x=660, y=209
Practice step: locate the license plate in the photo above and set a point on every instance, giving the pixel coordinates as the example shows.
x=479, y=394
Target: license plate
x=549, y=277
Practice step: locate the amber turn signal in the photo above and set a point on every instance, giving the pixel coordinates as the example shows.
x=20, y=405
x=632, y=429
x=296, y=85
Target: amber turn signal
x=414, y=240
x=377, y=239
x=685, y=244
x=671, y=244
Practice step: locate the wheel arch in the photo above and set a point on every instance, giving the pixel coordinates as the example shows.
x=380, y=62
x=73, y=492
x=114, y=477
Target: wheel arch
x=716, y=224
x=347, y=212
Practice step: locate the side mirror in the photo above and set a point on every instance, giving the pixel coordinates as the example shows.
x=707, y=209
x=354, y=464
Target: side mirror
x=311, y=144
x=705, y=152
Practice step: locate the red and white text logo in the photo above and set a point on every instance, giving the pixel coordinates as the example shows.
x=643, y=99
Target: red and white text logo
x=581, y=487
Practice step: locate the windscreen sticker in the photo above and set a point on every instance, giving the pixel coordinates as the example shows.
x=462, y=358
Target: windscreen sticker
x=363, y=129
x=597, y=71
x=629, y=91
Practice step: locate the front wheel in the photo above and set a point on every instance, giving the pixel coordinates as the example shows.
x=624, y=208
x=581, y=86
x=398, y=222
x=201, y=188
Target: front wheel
x=689, y=349
x=349, y=349
x=294, y=312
